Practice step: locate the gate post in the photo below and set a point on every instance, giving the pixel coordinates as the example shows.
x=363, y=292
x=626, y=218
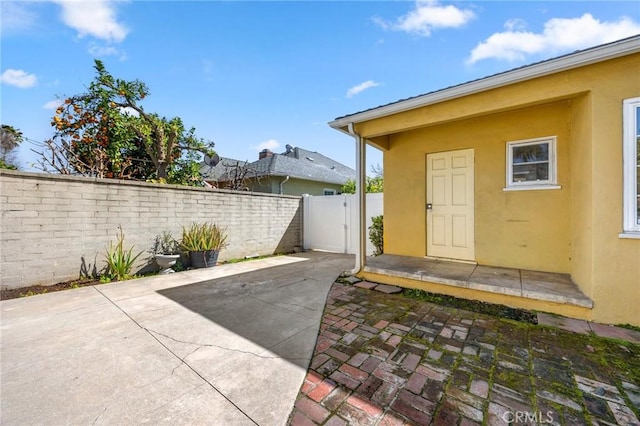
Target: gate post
x=306, y=222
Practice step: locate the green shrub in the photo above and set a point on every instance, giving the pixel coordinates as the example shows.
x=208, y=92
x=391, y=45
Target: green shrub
x=376, y=234
x=165, y=244
x=203, y=237
x=374, y=184
x=6, y=165
x=119, y=261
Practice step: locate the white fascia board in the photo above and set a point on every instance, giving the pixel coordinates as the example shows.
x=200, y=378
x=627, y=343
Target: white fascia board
x=579, y=59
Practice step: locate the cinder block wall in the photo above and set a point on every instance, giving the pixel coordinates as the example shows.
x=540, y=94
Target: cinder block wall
x=55, y=227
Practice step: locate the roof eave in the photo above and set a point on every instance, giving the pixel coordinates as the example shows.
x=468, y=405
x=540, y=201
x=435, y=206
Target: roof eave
x=336, y=181
x=579, y=59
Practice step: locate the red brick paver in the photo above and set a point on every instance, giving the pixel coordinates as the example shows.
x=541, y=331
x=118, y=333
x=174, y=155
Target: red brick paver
x=386, y=360
x=323, y=389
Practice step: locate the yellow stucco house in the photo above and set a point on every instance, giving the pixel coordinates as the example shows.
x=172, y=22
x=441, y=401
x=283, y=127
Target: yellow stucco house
x=522, y=188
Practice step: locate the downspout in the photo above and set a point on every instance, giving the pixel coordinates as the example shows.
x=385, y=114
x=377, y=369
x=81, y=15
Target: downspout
x=361, y=249
x=282, y=183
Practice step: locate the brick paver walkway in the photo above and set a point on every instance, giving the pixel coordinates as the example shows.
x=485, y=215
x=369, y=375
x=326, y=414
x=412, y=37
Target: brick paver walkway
x=389, y=360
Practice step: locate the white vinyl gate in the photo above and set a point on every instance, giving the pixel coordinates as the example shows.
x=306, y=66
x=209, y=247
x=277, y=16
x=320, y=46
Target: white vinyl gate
x=330, y=222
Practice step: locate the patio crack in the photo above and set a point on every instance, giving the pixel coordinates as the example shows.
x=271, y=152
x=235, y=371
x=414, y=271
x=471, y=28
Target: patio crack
x=184, y=358
x=101, y=413
x=212, y=345
x=181, y=360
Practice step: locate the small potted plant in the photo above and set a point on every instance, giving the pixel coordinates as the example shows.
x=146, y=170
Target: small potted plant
x=203, y=242
x=166, y=252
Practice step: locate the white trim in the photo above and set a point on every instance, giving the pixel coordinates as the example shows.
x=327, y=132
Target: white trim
x=629, y=235
x=531, y=188
x=597, y=54
x=630, y=164
x=550, y=183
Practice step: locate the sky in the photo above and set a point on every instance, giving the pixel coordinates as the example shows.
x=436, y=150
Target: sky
x=264, y=74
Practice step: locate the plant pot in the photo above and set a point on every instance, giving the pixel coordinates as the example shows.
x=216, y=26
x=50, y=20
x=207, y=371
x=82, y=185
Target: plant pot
x=204, y=259
x=166, y=261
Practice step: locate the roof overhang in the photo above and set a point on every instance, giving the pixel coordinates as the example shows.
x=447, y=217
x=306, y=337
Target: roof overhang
x=578, y=59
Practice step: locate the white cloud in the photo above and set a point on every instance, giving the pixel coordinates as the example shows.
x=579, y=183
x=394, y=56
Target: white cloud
x=18, y=78
x=52, y=105
x=16, y=16
x=96, y=18
x=271, y=144
x=558, y=35
x=427, y=16
x=361, y=88
x=129, y=111
x=99, y=51
x=515, y=24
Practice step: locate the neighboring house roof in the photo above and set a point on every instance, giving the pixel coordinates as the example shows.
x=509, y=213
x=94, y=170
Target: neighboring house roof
x=221, y=171
x=551, y=66
x=295, y=162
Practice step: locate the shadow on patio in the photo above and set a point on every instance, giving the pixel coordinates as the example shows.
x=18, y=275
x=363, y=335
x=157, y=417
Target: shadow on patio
x=267, y=313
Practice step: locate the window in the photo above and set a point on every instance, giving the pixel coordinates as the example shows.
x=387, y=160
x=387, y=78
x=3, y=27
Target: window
x=329, y=191
x=631, y=156
x=531, y=164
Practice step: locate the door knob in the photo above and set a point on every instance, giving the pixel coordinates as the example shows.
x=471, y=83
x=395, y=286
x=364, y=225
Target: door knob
x=429, y=206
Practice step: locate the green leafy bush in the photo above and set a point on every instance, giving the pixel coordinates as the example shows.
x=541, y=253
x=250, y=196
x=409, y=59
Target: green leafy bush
x=119, y=260
x=165, y=244
x=5, y=165
x=374, y=183
x=376, y=234
x=203, y=237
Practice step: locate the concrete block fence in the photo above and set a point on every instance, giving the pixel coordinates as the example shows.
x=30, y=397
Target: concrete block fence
x=55, y=228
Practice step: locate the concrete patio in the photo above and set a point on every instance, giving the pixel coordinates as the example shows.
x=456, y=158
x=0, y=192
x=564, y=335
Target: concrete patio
x=228, y=345
x=247, y=343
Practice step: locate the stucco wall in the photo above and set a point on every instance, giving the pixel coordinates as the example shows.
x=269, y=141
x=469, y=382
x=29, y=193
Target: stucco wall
x=54, y=226
x=519, y=229
x=581, y=160
x=575, y=229
x=616, y=261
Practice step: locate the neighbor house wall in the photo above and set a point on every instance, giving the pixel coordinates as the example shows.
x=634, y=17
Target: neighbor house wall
x=53, y=227
x=293, y=186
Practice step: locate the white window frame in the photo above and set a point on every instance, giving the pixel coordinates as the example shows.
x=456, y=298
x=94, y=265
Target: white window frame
x=550, y=183
x=631, y=228
x=332, y=191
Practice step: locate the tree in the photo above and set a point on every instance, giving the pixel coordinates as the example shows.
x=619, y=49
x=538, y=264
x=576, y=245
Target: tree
x=375, y=183
x=238, y=176
x=107, y=133
x=10, y=139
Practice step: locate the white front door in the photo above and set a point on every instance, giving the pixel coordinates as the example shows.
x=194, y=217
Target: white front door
x=450, y=222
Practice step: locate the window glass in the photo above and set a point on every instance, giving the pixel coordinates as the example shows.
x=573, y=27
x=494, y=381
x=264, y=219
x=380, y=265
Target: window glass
x=631, y=168
x=531, y=153
x=638, y=165
x=531, y=163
